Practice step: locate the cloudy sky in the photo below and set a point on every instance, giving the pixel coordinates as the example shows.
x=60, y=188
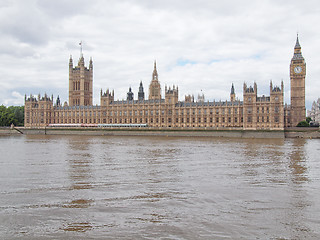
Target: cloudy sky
x=199, y=45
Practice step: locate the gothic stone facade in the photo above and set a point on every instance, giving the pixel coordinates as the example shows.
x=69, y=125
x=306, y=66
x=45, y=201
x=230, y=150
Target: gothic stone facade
x=254, y=112
x=314, y=113
x=80, y=83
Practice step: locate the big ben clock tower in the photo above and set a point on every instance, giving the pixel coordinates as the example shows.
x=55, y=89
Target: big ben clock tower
x=297, y=82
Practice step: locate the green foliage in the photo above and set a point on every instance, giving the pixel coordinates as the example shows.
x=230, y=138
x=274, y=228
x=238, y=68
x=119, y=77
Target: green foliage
x=308, y=119
x=303, y=124
x=11, y=115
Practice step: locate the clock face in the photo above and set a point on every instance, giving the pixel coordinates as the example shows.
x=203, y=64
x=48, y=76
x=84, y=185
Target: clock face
x=297, y=69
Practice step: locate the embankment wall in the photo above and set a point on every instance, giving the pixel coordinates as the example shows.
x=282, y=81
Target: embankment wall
x=8, y=131
x=302, y=133
x=148, y=132
x=311, y=133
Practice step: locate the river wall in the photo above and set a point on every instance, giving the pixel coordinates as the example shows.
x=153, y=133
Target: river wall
x=302, y=133
x=310, y=133
x=8, y=131
x=153, y=132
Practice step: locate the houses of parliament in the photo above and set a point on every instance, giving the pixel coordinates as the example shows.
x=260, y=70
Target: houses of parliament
x=168, y=112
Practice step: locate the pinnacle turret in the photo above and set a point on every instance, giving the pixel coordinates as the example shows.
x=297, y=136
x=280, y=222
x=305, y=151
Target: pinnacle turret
x=232, y=94
x=141, y=92
x=90, y=63
x=130, y=95
x=70, y=61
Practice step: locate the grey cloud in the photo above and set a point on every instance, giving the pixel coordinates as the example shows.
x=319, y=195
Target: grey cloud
x=64, y=9
x=24, y=22
x=253, y=41
x=34, y=22
x=10, y=47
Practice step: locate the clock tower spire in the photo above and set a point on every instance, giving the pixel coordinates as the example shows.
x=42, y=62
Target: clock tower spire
x=297, y=85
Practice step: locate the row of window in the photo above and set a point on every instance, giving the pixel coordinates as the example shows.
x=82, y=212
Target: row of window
x=275, y=98
x=152, y=120
x=76, y=102
x=157, y=120
x=37, y=105
x=144, y=112
x=263, y=119
x=76, y=86
x=262, y=109
x=177, y=120
x=156, y=112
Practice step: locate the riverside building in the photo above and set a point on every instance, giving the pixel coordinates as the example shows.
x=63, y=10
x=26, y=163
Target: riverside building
x=314, y=113
x=253, y=112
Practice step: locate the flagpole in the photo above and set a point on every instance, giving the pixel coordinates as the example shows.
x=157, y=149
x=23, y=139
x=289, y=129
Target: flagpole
x=80, y=43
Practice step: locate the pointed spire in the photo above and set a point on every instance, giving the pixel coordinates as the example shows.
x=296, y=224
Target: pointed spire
x=232, y=89
x=90, y=63
x=70, y=61
x=297, y=42
x=155, y=73
x=58, y=103
x=81, y=61
x=297, y=51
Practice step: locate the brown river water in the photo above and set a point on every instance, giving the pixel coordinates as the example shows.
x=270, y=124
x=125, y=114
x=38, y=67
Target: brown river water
x=83, y=187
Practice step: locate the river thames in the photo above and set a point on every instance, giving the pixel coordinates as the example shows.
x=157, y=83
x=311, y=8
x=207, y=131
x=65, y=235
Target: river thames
x=83, y=187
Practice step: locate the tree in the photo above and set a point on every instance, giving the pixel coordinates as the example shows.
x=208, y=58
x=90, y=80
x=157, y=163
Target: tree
x=308, y=119
x=303, y=124
x=11, y=115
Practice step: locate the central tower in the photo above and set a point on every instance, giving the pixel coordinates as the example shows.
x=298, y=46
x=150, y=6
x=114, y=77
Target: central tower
x=80, y=83
x=155, y=88
x=297, y=82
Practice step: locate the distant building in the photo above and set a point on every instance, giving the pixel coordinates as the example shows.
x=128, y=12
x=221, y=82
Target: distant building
x=254, y=112
x=314, y=113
